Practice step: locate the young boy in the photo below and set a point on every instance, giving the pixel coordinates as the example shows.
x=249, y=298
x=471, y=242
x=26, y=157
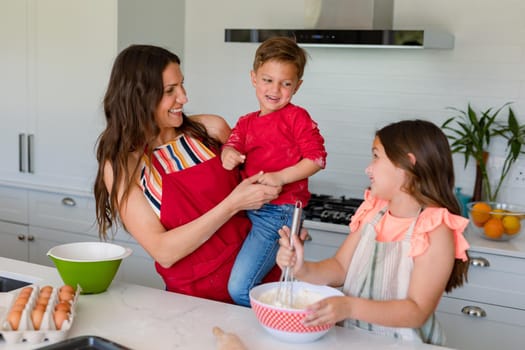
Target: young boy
x=283, y=142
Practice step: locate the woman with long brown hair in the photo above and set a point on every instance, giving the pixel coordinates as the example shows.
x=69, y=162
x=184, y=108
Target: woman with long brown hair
x=160, y=175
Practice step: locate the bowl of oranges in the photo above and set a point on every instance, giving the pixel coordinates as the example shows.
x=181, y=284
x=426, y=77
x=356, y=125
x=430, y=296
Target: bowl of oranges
x=495, y=220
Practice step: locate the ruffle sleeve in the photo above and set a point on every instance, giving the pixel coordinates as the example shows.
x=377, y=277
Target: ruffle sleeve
x=429, y=220
x=370, y=206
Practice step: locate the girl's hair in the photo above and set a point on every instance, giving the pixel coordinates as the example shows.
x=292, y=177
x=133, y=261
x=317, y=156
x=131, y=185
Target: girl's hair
x=135, y=89
x=281, y=49
x=431, y=179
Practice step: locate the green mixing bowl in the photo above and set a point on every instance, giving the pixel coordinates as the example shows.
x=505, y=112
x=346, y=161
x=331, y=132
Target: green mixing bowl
x=90, y=265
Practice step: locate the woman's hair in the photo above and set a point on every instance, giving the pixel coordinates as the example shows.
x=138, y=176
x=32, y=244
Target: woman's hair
x=431, y=179
x=134, y=90
x=281, y=49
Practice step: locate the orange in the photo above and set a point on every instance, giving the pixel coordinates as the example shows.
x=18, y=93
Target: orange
x=480, y=213
x=511, y=224
x=493, y=228
x=498, y=213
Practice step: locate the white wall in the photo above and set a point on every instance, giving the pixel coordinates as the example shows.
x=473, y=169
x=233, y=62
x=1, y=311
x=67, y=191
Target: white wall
x=352, y=92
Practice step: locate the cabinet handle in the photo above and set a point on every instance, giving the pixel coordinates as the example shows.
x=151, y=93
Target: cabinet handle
x=479, y=261
x=308, y=238
x=21, y=152
x=68, y=201
x=474, y=311
x=30, y=238
x=30, y=151
x=21, y=237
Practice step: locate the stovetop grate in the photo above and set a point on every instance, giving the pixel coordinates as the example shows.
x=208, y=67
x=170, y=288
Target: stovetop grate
x=335, y=210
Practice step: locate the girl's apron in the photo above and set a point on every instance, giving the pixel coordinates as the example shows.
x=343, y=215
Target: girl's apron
x=381, y=271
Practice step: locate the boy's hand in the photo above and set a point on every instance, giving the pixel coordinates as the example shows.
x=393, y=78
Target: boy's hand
x=230, y=158
x=271, y=179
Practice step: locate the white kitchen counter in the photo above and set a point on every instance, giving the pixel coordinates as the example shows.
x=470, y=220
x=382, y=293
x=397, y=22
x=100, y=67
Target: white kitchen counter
x=150, y=319
x=513, y=248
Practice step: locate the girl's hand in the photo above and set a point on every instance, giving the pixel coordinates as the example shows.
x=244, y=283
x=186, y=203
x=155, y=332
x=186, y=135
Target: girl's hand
x=327, y=311
x=288, y=255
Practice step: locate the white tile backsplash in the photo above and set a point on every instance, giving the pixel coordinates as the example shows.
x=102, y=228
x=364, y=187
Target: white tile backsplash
x=352, y=92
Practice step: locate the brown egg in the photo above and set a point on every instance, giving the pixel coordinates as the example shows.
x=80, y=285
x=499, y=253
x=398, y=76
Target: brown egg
x=59, y=317
x=64, y=306
x=67, y=288
x=21, y=300
x=14, y=319
x=46, y=289
x=18, y=308
x=26, y=291
x=40, y=307
x=45, y=293
x=36, y=318
x=42, y=301
x=65, y=296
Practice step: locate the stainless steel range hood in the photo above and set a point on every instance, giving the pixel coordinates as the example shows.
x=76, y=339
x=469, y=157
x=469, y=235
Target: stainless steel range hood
x=350, y=23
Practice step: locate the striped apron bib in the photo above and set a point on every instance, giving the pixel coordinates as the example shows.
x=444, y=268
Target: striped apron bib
x=381, y=271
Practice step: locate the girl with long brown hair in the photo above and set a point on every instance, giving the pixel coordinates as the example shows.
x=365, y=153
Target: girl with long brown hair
x=406, y=246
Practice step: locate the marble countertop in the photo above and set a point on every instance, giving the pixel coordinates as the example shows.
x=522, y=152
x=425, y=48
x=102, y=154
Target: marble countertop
x=147, y=318
x=513, y=248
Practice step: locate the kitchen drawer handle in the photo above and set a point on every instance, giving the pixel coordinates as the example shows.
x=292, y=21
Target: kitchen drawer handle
x=480, y=262
x=474, y=311
x=30, y=238
x=21, y=237
x=68, y=201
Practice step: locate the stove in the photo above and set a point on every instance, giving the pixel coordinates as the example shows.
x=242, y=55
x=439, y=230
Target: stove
x=331, y=209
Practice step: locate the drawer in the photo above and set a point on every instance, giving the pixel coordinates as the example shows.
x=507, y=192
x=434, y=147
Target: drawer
x=13, y=205
x=500, y=328
x=494, y=279
x=61, y=211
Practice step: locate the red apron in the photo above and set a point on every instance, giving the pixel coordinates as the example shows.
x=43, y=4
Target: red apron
x=186, y=195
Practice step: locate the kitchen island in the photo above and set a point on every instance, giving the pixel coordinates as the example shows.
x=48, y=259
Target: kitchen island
x=147, y=318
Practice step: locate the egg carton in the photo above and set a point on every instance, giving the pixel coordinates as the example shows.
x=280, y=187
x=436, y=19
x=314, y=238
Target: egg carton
x=26, y=332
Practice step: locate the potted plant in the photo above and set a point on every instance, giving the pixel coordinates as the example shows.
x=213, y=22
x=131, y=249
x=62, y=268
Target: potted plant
x=470, y=133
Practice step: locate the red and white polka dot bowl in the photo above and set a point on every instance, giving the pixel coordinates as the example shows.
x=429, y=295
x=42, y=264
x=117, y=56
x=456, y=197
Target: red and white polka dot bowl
x=286, y=323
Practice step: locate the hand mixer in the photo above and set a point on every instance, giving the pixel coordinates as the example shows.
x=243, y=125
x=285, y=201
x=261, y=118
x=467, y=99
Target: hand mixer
x=284, y=296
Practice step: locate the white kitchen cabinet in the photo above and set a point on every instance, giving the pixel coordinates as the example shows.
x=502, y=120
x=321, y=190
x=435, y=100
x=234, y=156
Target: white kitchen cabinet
x=14, y=107
x=489, y=311
x=55, y=65
x=31, y=222
x=31, y=243
x=34, y=221
x=57, y=55
x=324, y=239
x=139, y=267
x=14, y=241
x=14, y=223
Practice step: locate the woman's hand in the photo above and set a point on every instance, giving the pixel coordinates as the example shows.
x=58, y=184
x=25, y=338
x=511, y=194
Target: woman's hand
x=288, y=255
x=327, y=311
x=249, y=194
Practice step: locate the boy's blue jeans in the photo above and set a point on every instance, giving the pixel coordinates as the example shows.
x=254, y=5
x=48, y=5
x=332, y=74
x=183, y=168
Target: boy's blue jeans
x=257, y=255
